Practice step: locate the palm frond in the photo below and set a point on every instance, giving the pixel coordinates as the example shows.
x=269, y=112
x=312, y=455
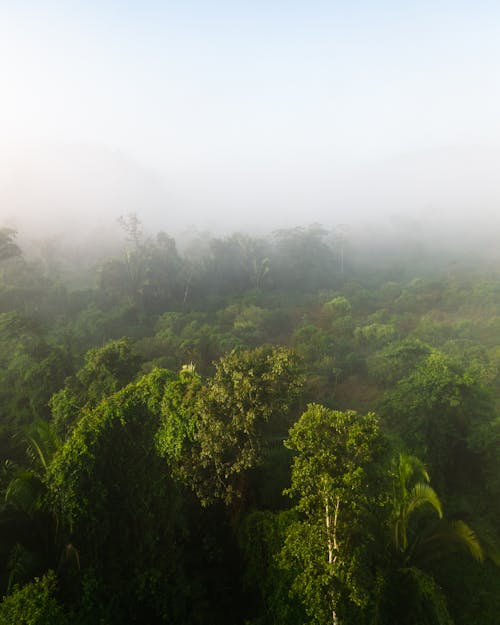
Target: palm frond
x=21, y=565
x=409, y=469
x=42, y=443
x=422, y=494
x=24, y=491
x=447, y=536
x=466, y=537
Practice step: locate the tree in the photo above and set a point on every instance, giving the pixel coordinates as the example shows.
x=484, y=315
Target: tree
x=261, y=537
x=302, y=259
x=31, y=369
x=434, y=408
x=236, y=263
x=409, y=495
x=163, y=283
x=407, y=591
x=224, y=429
x=412, y=491
x=8, y=249
x=336, y=477
x=155, y=554
x=30, y=527
x=398, y=359
x=107, y=369
x=42, y=443
x=119, y=506
x=178, y=419
x=34, y=604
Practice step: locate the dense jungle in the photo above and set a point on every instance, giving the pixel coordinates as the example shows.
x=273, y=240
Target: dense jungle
x=298, y=428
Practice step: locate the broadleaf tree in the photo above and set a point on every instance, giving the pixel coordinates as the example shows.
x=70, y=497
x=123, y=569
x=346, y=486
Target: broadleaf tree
x=337, y=481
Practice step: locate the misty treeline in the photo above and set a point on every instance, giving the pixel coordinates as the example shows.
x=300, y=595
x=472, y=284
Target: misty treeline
x=291, y=429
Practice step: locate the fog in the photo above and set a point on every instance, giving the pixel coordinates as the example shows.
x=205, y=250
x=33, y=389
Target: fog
x=223, y=117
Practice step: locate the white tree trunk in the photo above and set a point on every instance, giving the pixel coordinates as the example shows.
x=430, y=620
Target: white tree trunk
x=332, y=541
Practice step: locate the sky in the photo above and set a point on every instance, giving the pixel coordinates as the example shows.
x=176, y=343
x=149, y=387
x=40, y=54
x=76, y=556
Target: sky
x=222, y=114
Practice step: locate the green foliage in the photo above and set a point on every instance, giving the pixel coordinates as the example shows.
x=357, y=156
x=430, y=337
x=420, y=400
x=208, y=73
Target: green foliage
x=119, y=462
x=236, y=263
x=179, y=418
x=195, y=337
x=311, y=342
x=27, y=361
x=392, y=363
x=33, y=604
x=303, y=259
x=249, y=392
x=262, y=535
x=77, y=491
x=434, y=408
x=106, y=370
x=338, y=307
x=410, y=597
x=407, y=591
x=336, y=478
x=26, y=487
x=28, y=523
x=410, y=494
x=375, y=333
x=113, y=493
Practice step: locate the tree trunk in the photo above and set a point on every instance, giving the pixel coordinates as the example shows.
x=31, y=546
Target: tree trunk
x=332, y=542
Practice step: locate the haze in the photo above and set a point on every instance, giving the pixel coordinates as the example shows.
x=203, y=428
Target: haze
x=231, y=115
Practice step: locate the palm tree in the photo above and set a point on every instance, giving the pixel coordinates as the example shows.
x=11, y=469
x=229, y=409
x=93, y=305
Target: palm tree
x=26, y=486
x=407, y=592
x=411, y=492
x=25, y=513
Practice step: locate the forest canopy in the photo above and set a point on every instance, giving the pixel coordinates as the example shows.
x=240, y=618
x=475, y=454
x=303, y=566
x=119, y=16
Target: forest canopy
x=286, y=429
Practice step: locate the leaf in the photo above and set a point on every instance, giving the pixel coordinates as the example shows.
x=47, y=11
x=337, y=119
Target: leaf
x=422, y=494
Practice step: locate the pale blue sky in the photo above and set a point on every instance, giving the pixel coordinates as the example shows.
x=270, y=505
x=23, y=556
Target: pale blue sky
x=264, y=106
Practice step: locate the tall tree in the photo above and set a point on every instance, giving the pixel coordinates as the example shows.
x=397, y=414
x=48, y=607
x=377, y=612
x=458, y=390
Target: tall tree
x=250, y=394
x=8, y=248
x=336, y=477
x=435, y=408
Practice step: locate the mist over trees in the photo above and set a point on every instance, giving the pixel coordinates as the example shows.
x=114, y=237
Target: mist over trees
x=293, y=427
x=249, y=313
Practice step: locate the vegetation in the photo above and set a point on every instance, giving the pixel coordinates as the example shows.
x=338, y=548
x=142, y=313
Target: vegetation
x=271, y=430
